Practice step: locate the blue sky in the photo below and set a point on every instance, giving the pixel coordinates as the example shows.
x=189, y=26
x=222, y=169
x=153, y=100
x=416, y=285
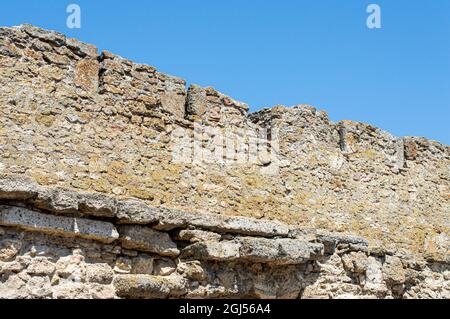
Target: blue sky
x=283, y=52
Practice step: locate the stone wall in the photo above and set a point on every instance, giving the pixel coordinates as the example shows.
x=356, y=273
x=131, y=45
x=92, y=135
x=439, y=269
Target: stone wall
x=89, y=182
x=58, y=243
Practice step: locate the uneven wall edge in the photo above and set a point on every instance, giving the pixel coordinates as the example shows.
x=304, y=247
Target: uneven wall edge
x=93, y=203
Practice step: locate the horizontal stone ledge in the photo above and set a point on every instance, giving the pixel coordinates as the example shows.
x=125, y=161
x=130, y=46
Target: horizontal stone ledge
x=17, y=188
x=29, y=220
x=172, y=219
x=66, y=202
x=196, y=235
x=147, y=286
x=56, y=199
x=136, y=212
x=132, y=211
x=260, y=250
x=214, y=251
x=148, y=240
x=279, y=251
x=332, y=240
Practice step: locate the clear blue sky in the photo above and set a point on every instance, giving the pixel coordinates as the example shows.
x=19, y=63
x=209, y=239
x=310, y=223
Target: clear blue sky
x=283, y=52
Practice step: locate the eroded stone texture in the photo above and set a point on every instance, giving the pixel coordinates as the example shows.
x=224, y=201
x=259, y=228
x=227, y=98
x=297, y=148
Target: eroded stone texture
x=212, y=106
x=33, y=221
x=339, y=210
x=117, y=140
x=147, y=239
x=40, y=265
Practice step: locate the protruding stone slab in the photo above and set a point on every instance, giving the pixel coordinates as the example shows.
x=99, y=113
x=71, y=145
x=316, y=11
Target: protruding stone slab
x=17, y=188
x=86, y=74
x=64, y=201
x=196, y=235
x=211, y=250
x=278, y=251
x=213, y=106
x=171, y=219
x=82, y=49
x=254, y=227
x=136, y=212
x=259, y=250
x=147, y=239
x=97, y=204
x=143, y=85
x=53, y=37
x=57, y=225
x=58, y=200
x=147, y=286
x=331, y=240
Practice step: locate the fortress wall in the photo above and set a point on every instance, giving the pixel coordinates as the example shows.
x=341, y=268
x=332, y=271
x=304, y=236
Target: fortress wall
x=98, y=123
x=57, y=243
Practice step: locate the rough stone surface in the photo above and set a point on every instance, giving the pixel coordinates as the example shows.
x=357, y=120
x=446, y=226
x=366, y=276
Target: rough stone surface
x=196, y=235
x=66, y=226
x=147, y=239
x=40, y=265
x=146, y=286
x=338, y=210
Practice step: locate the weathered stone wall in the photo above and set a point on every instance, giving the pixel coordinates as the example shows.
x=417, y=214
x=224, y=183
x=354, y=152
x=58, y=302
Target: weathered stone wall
x=76, y=126
x=57, y=243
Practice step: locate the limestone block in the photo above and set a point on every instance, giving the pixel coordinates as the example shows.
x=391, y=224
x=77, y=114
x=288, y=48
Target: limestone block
x=97, y=204
x=57, y=200
x=192, y=270
x=17, y=187
x=147, y=239
x=332, y=240
x=393, y=271
x=99, y=291
x=136, y=212
x=13, y=288
x=71, y=290
x=197, y=235
x=278, y=251
x=171, y=219
x=86, y=74
x=143, y=264
x=254, y=227
x=259, y=250
x=164, y=267
x=147, y=286
x=355, y=262
x=39, y=287
x=374, y=278
x=82, y=49
x=221, y=251
x=13, y=266
x=71, y=267
x=213, y=106
x=196, y=101
x=48, y=36
x=411, y=149
x=40, y=266
x=173, y=99
x=9, y=248
x=100, y=273
x=58, y=225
